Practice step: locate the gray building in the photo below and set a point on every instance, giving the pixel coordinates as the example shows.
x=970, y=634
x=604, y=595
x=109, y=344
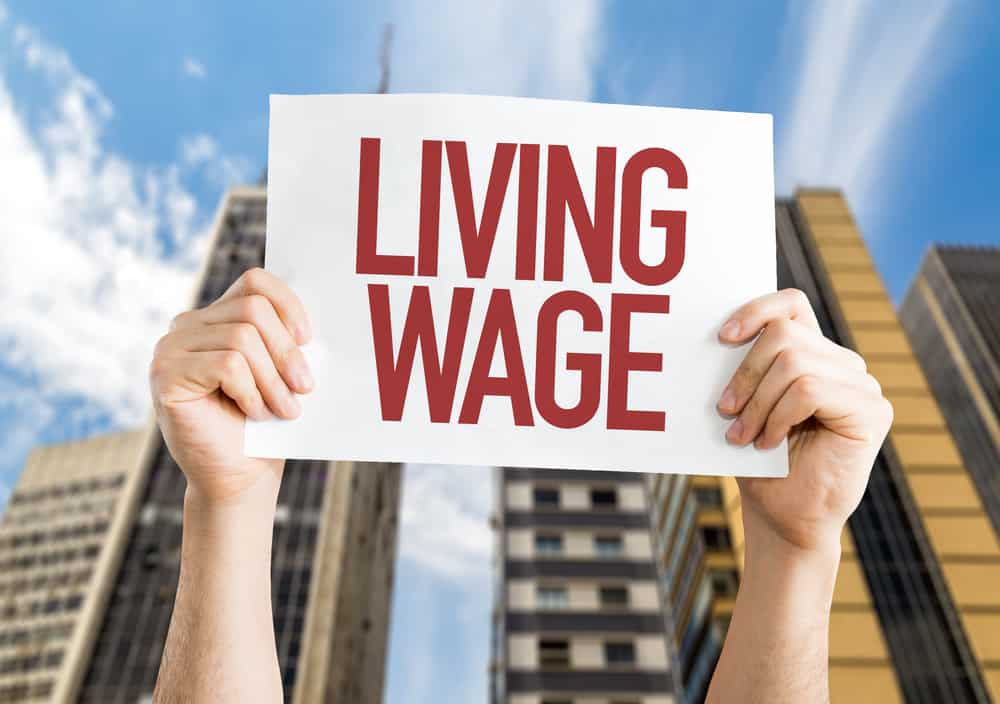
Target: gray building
x=332, y=560
x=577, y=615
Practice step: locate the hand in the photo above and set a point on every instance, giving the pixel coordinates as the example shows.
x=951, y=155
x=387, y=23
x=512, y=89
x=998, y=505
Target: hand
x=236, y=358
x=796, y=383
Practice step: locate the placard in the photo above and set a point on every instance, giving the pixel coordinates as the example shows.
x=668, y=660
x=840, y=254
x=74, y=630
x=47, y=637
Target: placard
x=516, y=282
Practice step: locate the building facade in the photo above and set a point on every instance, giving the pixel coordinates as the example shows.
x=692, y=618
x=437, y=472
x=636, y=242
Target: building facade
x=951, y=314
x=916, y=610
x=55, y=559
x=332, y=557
x=577, y=618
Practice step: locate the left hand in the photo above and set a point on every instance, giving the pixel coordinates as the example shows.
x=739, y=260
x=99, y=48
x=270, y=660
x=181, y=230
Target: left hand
x=796, y=383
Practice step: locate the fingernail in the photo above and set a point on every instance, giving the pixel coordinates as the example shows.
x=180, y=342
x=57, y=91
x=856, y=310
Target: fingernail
x=735, y=431
x=730, y=331
x=728, y=401
x=292, y=405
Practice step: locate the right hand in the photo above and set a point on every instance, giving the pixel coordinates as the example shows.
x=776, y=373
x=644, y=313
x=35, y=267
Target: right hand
x=236, y=358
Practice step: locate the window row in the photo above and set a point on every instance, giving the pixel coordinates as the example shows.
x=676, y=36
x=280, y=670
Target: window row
x=39, y=634
x=39, y=537
x=554, y=653
x=550, y=497
x=70, y=489
x=24, y=562
x=29, y=663
x=557, y=597
x=24, y=690
x=553, y=545
x=41, y=606
x=46, y=581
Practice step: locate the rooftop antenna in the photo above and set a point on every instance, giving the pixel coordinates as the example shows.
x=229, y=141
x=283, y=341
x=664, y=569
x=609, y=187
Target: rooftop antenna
x=385, y=59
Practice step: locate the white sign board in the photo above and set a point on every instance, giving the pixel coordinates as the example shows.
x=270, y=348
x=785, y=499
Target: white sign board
x=501, y=281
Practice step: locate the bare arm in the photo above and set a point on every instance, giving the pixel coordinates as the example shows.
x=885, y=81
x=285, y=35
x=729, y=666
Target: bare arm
x=238, y=357
x=794, y=384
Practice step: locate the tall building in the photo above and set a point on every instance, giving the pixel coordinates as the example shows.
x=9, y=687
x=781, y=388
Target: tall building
x=952, y=316
x=332, y=560
x=916, y=611
x=56, y=559
x=577, y=616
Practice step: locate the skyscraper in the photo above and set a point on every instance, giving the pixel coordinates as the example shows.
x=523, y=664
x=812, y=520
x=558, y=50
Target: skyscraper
x=952, y=316
x=577, y=614
x=57, y=556
x=916, y=611
x=332, y=559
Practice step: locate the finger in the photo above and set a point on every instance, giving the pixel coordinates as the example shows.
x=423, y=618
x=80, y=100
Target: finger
x=258, y=311
x=788, y=367
x=286, y=303
x=788, y=304
x=192, y=376
x=796, y=344
x=245, y=339
x=851, y=410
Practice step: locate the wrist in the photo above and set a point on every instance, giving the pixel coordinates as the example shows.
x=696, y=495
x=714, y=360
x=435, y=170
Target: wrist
x=781, y=564
x=243, y=522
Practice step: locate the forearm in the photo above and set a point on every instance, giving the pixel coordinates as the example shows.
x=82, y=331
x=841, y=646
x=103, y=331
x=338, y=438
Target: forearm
x=776, y=650
x=220, y=646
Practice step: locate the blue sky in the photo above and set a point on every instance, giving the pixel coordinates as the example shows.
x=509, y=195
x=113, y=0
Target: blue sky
x=121, y=123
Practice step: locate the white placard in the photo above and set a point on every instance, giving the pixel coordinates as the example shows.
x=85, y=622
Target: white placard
x=585, y=254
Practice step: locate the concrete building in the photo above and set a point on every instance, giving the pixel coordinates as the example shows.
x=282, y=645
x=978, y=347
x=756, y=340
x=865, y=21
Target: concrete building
x=93, y=537
x=916, y=612
x=952, y=316
x=57, y=556
x=577, y=617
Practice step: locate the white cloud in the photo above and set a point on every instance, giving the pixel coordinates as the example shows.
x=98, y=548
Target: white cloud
x=445, y=518
x=97, y=252
x=518, y=47
x=863, y=69
x=194, y=68
x=201, y=151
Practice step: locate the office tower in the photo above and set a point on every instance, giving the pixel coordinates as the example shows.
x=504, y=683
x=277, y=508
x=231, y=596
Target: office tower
x=952, y=316
x=54, y=560
x=916, y=611
x=332, y=559
x=577, y=614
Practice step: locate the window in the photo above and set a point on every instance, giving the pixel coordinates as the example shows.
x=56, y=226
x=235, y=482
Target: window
x=708, y=496
x=553, y=653
x=548, y=544
x=603, y=498
x=716, y=537
x=546, y=498
x=608, y=545
x=619, y=653
x=725, y=583
x=613, y=596
x=552, y=598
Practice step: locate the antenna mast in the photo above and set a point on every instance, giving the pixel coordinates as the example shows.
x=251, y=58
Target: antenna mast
x=385, y=59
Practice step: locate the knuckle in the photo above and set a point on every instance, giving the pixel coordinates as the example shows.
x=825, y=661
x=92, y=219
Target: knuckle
x=243, y=335
x=874, y=384
x=179, y=320
x=807, y=387
x=796, y=296
x=791, y=362
x=231, y=363
x=255, y=307
x=253, y=279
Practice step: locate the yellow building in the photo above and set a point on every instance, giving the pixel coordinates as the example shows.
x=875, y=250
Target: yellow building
x=916, y=612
